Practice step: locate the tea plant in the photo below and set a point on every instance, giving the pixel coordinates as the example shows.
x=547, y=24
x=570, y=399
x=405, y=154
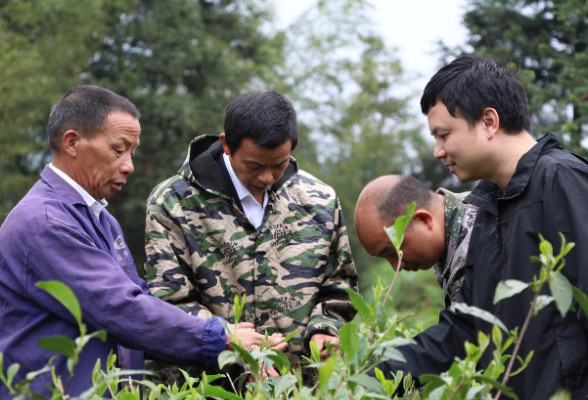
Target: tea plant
x=346, y=373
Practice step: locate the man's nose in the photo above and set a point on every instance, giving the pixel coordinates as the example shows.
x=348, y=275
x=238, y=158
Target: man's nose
x=127, y=166
x=439, y=150
x=266, y=177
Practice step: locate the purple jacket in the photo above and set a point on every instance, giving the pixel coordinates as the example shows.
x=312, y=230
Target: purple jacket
x=53, y=235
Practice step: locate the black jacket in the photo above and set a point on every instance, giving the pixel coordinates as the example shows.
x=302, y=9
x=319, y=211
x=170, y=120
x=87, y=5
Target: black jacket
x=547, y=194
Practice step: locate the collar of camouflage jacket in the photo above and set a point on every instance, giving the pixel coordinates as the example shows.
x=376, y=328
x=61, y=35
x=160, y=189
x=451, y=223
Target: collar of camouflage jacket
x=455, y=210
x=202, y=168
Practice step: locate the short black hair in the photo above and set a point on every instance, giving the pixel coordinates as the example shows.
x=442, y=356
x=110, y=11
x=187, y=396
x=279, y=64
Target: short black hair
x=469, y=84
x=85, y=109
x=268, y=118
x=395, y=200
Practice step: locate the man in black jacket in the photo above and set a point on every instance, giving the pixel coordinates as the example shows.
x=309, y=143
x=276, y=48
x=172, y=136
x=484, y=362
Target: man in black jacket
x=478, y=116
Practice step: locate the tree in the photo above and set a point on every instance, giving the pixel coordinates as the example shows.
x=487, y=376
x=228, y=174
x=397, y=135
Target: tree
x=41, y=57
x=179, y=61
x=350, y=91
x=548, y=40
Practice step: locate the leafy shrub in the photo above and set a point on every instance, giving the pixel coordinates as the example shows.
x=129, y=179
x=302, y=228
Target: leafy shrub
x=372, y=337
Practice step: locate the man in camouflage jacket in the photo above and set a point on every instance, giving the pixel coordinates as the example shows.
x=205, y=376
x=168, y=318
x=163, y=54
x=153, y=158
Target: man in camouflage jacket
x=203, y=250
x=437, y=237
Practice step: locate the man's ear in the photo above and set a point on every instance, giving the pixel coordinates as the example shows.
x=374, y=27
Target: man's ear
x=425, y=217
x=70, y=142
x=223, y=140
x=491, y=121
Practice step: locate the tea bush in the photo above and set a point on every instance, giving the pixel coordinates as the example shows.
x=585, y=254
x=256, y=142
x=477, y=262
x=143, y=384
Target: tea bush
x=371, y=338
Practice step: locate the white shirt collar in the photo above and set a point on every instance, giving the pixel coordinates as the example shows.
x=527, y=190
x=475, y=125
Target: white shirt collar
x=96, y=205
x=242, y=191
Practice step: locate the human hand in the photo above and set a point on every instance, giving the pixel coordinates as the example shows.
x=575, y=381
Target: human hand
x=275, y=342
x=322, y=340
x=245, y=335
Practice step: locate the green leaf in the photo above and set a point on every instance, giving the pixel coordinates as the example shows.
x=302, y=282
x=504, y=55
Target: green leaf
x=315, y=353
x=482, y=314
x=128, y=372
x=11, y=373
x=226, y=357
x=86, y=338
x=365, y=312
x=128, y=396
x=324, y=373
x=497, y=385
x=290, y=336
x=473, y=391
x=63, y=345
x=381, y=317
x=546, y=248
x=399, y=341
x=392, y=353
x=247, y=358
x=33, y=374
x=542, y=302
x=280, y=360
x=432, y=382
x=219, y=392
x=64, y=295
x=508, y=288
x=496, y=337
x=283, y=383
x=561, y=290
x=524, y=363
x=368, y=382
x=348, y=339
x=581, y=298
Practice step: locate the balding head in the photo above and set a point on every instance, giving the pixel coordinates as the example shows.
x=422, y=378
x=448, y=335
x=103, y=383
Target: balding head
x=388, y=197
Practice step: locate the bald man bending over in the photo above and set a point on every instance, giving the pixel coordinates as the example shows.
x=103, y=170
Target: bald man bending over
x=438, y=235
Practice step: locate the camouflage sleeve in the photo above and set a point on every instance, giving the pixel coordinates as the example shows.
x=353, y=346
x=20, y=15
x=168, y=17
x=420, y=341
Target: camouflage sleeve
x=333, y=308
x=167, y=256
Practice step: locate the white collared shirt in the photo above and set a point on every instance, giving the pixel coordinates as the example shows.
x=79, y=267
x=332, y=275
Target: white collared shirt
x=251, y=207
x=96, y=205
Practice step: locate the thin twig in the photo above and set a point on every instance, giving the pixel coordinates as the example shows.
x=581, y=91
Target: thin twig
x=518, y=345
x=60, y=387
x=110, y=388
x=232, y=384
x=393, y=281
x=455, y=390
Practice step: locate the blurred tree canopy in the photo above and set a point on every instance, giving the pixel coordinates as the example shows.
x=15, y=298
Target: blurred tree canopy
x=548, y=40
x=182, y=61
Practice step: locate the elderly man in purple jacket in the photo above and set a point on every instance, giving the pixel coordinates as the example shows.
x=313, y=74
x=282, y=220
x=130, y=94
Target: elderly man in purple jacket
x=61, y=231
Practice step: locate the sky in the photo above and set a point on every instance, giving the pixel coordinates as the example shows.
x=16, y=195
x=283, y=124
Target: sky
x=413, y=27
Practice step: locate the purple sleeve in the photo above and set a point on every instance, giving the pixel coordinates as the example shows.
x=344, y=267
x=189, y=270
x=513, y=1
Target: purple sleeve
x=214, y=342
x=111, y=301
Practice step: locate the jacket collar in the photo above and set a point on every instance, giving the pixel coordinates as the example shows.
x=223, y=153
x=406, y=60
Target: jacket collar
x=201, y=167
x=61, y=186
x=487, y=191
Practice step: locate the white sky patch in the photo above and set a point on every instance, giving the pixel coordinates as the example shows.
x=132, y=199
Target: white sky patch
x=412, y=27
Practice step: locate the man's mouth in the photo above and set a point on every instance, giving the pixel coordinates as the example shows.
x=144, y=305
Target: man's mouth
x=117, y=186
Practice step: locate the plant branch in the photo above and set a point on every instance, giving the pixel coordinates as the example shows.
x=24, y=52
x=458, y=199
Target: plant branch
x=393, y=282
x=519, y=342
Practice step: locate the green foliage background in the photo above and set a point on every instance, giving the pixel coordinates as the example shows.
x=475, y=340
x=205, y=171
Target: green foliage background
x=181, y=62
x=547, y=42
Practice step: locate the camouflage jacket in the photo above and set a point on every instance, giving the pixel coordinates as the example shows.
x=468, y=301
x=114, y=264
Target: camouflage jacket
x=459, y=222
x=202, y=250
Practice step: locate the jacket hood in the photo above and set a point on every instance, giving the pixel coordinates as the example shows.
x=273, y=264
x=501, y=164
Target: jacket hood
x=202, y=169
